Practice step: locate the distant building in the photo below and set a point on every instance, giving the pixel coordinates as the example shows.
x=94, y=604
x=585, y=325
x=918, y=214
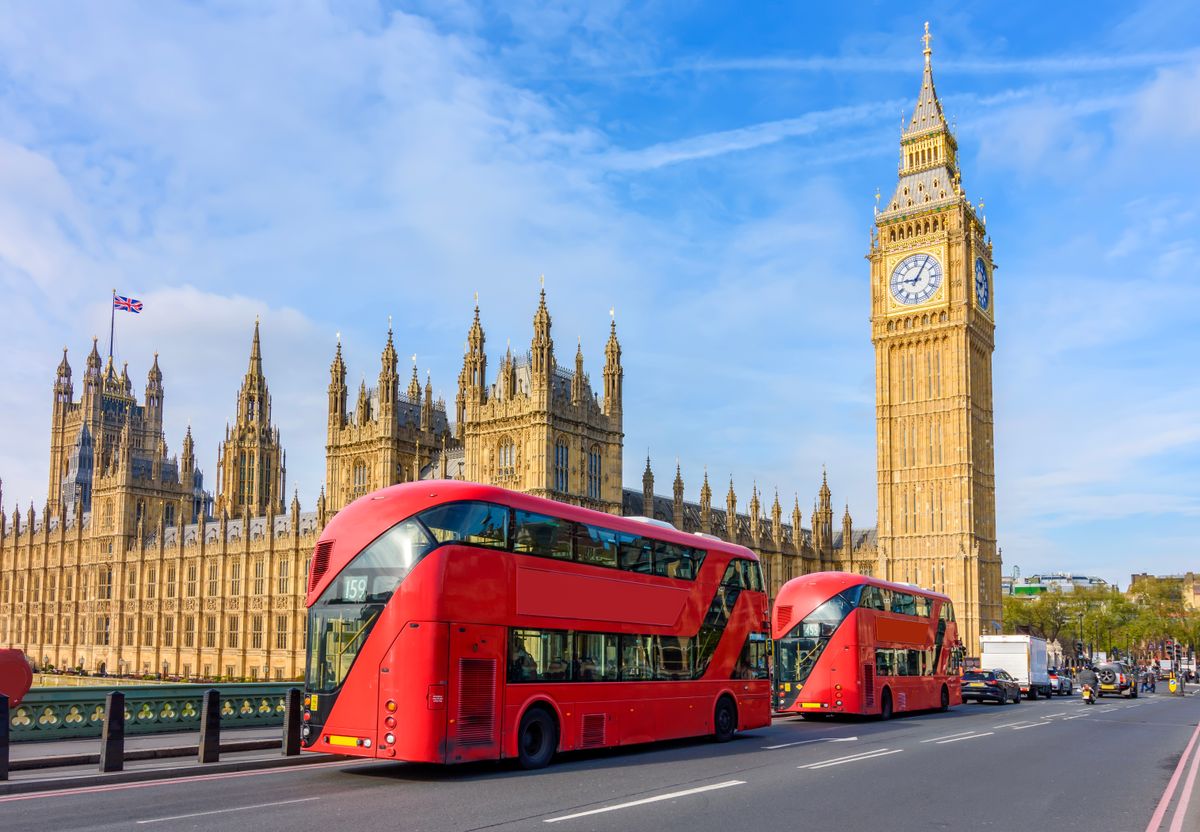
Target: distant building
x=1186, y=586
x=1056, y=581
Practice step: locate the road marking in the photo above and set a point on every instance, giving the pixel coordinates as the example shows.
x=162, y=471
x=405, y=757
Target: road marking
x=120, y=787
x=806, y=742
x=235, y=809
x=1077, y=716
x=948, y=736
x=1007, y=724
x=968, y=737
x=853, y=758
x=645, y=800
x=1160, y=811
x=1031, y=725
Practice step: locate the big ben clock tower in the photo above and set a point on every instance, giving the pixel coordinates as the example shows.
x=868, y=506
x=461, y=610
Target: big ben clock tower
x=933, y=329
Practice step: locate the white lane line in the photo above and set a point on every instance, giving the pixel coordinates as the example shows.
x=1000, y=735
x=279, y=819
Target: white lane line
x=1077, y=716
x=1007, y=724
x=1034, y=725
x=948, y=736
x=645, y=800
x=806, y=742
x=235, y=809
x=968, y=737
x=883, y=752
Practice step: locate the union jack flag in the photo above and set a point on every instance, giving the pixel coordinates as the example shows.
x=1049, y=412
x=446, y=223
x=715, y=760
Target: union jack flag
x=128, y=304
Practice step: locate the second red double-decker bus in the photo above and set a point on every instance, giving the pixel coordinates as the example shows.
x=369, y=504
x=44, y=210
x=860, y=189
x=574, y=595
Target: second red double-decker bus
x=851, y=644
x=451, y=622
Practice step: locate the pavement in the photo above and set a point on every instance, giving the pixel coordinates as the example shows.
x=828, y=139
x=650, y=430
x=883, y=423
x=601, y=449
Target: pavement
x=1054, y=764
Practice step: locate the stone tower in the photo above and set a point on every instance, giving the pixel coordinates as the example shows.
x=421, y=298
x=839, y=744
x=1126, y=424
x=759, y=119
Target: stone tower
x=251, y=465
x=539, y=428
x=933, y=330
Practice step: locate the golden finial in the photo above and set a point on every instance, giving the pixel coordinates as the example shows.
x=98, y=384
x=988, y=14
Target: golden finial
x=339, y=337
x=612, y=312
x=927, y=38
x=389, y=323
x=542, y=280
x=414, y=360
x=477, y=300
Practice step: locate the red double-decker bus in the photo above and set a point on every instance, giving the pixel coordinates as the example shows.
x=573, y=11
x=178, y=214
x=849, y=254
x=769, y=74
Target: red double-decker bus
x=450, y=622
x=850, y=644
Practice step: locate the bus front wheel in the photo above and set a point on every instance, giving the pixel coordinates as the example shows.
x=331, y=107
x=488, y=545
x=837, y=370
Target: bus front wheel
x=537, y=738
x=724, y=720
x=885, y=705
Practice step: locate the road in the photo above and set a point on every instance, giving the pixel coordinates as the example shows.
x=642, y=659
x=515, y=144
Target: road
x=1045, y=765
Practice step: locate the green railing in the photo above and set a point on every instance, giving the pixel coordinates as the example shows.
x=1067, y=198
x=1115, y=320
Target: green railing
x=69, y=713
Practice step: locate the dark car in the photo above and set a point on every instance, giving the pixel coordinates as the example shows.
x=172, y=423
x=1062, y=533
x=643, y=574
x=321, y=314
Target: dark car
x=995, y=685
x=1118, y=678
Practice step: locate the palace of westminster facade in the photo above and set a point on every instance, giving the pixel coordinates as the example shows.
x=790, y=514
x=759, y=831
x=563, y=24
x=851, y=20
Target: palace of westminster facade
x=133, y=567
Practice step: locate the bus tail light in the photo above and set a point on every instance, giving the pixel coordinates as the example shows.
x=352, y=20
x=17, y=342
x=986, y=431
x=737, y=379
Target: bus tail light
x=390, y=721
x=391, y=706
x=390, y=739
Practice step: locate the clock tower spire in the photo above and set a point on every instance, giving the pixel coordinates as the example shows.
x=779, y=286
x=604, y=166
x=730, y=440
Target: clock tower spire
x=933, y=330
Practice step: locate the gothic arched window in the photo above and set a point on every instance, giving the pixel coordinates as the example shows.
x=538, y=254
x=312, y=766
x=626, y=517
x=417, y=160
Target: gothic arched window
x=593, y=475
x=562, y=466
x=506, y=458
x=360, y=479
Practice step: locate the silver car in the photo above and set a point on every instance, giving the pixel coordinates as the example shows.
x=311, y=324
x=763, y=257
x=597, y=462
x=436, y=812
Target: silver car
x=1061, y=683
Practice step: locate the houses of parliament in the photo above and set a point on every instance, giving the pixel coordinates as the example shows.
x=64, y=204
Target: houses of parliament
x=133, y=566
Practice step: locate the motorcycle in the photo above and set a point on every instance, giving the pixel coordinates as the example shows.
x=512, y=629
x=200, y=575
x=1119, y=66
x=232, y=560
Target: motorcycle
x=1089, y=695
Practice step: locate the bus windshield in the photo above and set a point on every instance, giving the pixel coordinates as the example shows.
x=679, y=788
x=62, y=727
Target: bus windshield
x=799, y=650
x=341, y=619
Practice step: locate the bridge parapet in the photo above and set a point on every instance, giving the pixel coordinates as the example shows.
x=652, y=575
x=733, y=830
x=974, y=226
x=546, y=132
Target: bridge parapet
x=71, y=713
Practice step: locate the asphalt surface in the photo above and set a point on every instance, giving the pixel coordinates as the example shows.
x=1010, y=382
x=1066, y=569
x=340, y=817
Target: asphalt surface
x=1045, y=765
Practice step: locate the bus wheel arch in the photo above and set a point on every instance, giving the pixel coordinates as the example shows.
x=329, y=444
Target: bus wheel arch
x=725, y=718
x=538, y=735
x=885, y=703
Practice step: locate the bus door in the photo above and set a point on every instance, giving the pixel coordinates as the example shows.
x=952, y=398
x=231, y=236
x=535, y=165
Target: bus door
x=475, y=692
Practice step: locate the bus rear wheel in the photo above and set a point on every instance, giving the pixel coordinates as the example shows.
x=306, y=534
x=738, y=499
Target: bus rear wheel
x=885, y=705
x=537, y=738
x=724, y=720
x=944, y=703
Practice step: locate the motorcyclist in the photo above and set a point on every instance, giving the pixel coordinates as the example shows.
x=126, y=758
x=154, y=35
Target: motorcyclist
x=1087, y=676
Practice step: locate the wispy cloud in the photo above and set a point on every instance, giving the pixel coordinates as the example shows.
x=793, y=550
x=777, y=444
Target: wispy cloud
x=1054, y=65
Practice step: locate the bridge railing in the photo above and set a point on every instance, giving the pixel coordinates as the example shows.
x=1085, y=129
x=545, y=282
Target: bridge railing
x=69, y=713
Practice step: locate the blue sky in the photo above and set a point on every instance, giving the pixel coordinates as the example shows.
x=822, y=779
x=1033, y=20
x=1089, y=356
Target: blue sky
x=708, y=170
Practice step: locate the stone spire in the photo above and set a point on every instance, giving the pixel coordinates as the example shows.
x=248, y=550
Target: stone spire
x=776, y=519
x=755, y=512
x=577, y=388
x=706, y=505
x=542, y=347
x=731, y=514
x=847, y=531
x=475, y=363
x=797, y=523
x=648, y=490
x=414, y=384
x=427, y=404
x=678, y=494
x=928, y=114
x=389, y=377
x=613, y=374
x=337, y=388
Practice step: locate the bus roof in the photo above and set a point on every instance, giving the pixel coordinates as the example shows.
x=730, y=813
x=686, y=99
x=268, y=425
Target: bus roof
x=818, y=587
x=369, y=516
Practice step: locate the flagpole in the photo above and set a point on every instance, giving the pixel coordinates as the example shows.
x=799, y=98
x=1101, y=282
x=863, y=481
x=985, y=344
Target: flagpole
x=112, y=320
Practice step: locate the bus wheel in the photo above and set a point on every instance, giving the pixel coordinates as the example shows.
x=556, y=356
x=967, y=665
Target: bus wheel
x=724, y=720
x=944, y=704
x=885, y=705
x=537, y=738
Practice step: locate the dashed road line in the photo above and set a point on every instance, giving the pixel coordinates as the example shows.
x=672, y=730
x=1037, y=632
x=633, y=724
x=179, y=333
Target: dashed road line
x=968, y=737
x=948, y=736
x=645, y=800
x=224, y=811
x=853, y=758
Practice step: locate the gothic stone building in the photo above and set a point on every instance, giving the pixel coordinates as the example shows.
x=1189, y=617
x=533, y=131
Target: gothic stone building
x=128, y=569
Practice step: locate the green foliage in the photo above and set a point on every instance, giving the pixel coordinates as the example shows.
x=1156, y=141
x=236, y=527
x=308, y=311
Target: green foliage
x=1104, y=619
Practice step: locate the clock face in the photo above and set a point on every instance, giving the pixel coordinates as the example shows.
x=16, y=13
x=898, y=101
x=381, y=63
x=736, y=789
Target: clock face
x=983, y=289
x=916, y=279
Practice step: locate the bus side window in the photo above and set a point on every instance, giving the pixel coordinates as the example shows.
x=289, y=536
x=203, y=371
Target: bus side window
x=595, y=546
x=541, y=535
x=476, y=524
x=637, y=553
x=674, y=561
x=673, y=657
x=636, y=658
x=872, y=598
x=751, y=575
